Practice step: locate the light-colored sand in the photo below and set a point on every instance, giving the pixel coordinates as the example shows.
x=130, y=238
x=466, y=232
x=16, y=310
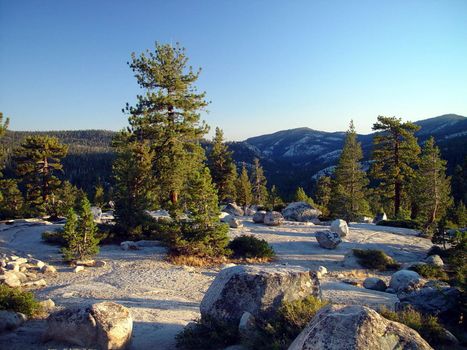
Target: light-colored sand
x=163, y=298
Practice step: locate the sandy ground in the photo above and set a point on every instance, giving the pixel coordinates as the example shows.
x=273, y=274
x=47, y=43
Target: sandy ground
x=163, y=298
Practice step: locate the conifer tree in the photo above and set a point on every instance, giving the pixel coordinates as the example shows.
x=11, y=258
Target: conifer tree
x=274, y=198
x=394, y=155
x=99, y=196
x=348, y=189
x=222, y=167
x=80, y=234
x=244, y=194
x=133, y=184
x=67, y=197
x=11, y=201
x=432, y=187
x=301, y=196
x=167, y=116
x=37, y=160
x=3, y=128
x=258, y=180
x=323, y=193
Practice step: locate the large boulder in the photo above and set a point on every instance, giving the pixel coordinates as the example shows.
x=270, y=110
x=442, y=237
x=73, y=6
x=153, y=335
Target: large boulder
x=432, y=300
x=340, y=226
x=258, y=218
x=405, y=281
x=301, y=211
x=356, y=328
x=434, y=260
x=258, y=290
x=328, y=239
x=232, y=221
x=10, y=278
x=375, y=283
x=233, y=209
x=108, y=325
x=273, y=218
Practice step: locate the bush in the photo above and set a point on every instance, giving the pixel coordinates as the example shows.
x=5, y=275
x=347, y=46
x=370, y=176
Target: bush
x=54, y=237
x=13, y=299
x=286, y=325
x=412, y=224
x=375, y=259
x=250, y=247
x=427, y=326
x=430, y=271
x=205, y=335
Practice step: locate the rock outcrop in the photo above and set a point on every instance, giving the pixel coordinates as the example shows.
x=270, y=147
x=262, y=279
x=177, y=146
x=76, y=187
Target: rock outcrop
x=356, y=328
x=300, y=211
x=273, y=218
x=258, y=290
x=233, y=209
x=328, y=239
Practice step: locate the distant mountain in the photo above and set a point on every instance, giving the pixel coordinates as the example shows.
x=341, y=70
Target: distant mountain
x=291, y=158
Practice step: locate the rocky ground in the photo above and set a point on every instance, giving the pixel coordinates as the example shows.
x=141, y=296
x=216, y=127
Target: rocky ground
x=163, y=298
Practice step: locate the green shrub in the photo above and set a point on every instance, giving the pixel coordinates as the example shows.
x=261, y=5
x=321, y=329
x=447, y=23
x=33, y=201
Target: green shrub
x=286, y=325
x=14, y=299
x=54, y=237
x=430, y=271
x=412, y=224
x=427, y=326
x=206, y=334
x=250, y=247
x=375, y=259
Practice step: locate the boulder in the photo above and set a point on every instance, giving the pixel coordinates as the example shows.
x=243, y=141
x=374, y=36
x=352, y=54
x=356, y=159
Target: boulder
x=100, y=263
x=434, y=260
x=85, y=263
x=96, y=212
x=233, y=209
x=300, y=211
x=340, y=226
x=258, y=290
x=432, y=300
x=258, y=218
x=405, y=281
x=322, y=271
x=37, y=263
x=78, y=269
x=249, y=211
x=129, y=245
x=233, y=222
x=273, y=218
x=48, y=269
x=107, y=325
x=20, y=261
x=47, y=305
x=222, y=216
x=356, y=328
x=375, y=283
x=13, y=266
x=10, y=278
x=38, y=283
x=380, y=217
x=10, y=320
x=159, y=215
x=328, y=239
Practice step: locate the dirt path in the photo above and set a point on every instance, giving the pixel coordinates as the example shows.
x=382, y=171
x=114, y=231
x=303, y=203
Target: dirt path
x=163, y=298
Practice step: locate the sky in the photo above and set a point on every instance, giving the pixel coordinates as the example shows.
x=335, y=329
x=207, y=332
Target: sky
x=267, y=65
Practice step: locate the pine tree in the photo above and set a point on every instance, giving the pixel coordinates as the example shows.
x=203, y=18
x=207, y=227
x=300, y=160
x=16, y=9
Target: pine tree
x=67, y=197
x=37, y=160
x=274, y=199
x=167, y=116
x=99, y=196
x=258, y=180
x=348, y=188
x=11, y=201
x=80, y=235
x=432, y=187
x=222, y=167
x=301, y=196
x=3, y=128
x=323, y=193
x=133, y=184
x=459, y=182
x=394, y=155
x=244, y=194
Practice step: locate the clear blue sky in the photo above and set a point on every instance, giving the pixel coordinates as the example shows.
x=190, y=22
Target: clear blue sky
x=267, y=65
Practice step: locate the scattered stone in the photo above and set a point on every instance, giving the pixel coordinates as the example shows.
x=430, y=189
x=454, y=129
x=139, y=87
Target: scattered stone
x=258, y=218
x=10, y=279
x=273, y=218
x=434, y=260
x=48, y=269
x=322, y=271
x=22, y=276
x=38, y=283
x=375, y=283
x=328, y=239
x=249, y=211
x=78, y=269
x=100, y=263
x=31, y=275
x=13, y=266
x=356, y=328
x=107, y=325
x=10, y=320
x=233, y=209
x=405, y=281
x=20, y=261
x=258, y=290
x=188, y=268
x=340, y=227
x=301, y=211
x=86, y=263
x=47, y=305
x=232, y=221
x=380, y=217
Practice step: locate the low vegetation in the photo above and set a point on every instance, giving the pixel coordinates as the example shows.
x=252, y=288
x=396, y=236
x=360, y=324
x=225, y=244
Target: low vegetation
x=54, y=237
x=13, y=299
x=250, y=247
x=427, y=326
x=411, y=224
x=430, y=271
x=375, y=259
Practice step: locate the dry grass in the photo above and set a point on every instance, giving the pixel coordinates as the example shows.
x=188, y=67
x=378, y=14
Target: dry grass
x=198, y=261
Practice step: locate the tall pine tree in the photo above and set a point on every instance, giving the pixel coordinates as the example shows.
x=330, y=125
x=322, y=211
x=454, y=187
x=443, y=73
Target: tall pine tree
x=244, y=194
x=348, y=189
x=432, y=187
x=395, y=156
x=37, y=161
x=323, y=193
x=258, y=182
x=222, y=166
